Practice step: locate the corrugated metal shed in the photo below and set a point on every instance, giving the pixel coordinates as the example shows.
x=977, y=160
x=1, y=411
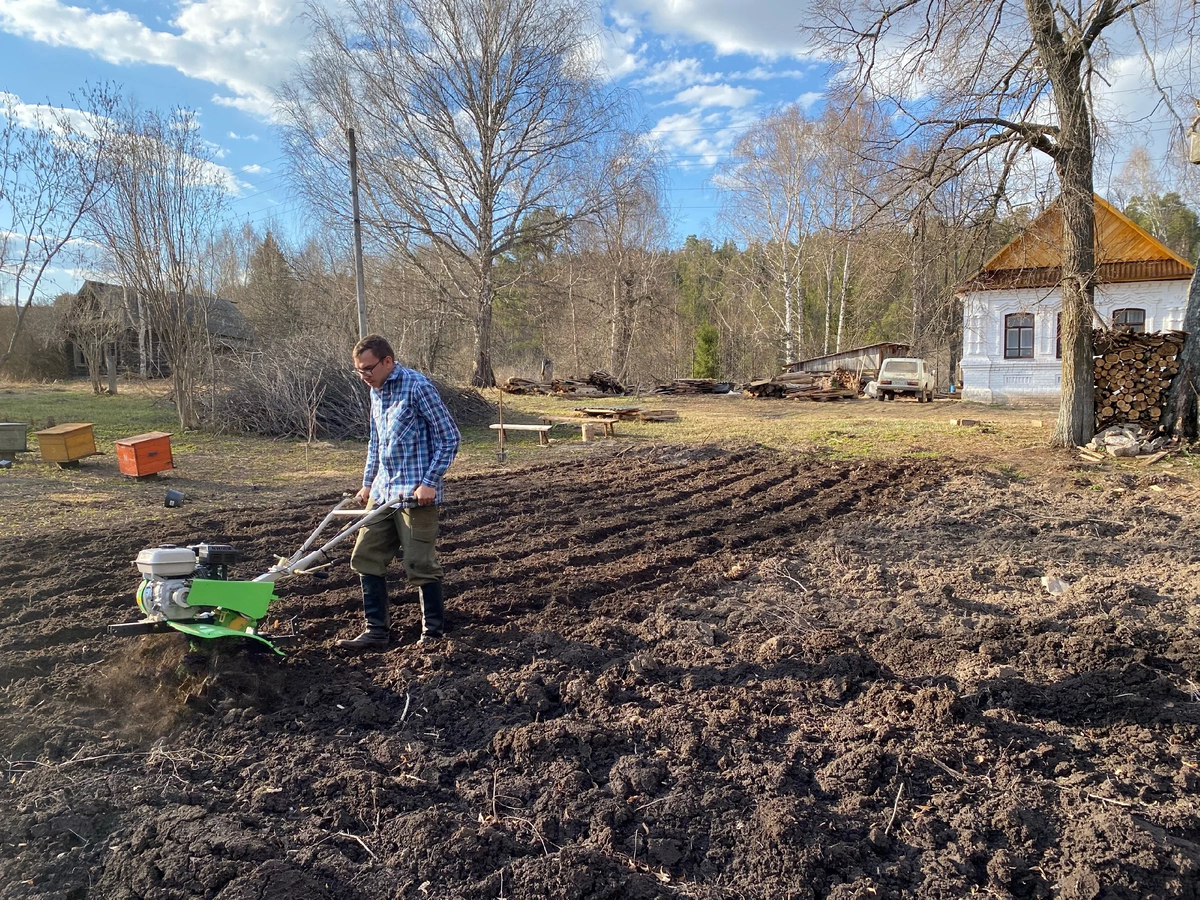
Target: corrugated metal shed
x=1125, y=252
x=859, y=359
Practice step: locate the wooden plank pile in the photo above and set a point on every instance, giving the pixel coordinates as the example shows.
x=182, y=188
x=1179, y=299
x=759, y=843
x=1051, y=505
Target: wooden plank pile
x=1133, y=372
x=628, y=413
x=598, y=384
x=693, y=386
x=805, y=386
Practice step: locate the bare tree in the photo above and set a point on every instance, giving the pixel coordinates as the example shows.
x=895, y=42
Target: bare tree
x=95, y=324
x=976, y=76
x=848, y=166
x=625, y=236
x=767, y=197
x=51, y=168
x=470, y=114
x=159, y=220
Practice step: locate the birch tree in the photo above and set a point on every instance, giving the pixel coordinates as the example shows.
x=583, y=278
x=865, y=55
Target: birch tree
x=51, y=175
x=158, y=219
x=626, y=237
x=971, y=77
x=470, y=115
x=767, y=187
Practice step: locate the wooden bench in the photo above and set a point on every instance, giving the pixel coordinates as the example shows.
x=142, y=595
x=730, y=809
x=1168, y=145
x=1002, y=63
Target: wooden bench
x=608, y=423
x=540, y=429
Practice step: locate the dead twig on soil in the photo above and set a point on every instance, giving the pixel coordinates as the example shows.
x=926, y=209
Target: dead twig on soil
x=337, y=834
x=895, y=809
x=964, y=778
x=361, y=842
x=653, y=803
x=1111, y=801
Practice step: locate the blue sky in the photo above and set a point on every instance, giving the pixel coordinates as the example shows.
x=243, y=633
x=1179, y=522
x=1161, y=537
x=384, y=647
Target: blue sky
x=702, y=70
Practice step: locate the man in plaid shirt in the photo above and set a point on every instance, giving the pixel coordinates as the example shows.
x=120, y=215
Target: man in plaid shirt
x=413, y=441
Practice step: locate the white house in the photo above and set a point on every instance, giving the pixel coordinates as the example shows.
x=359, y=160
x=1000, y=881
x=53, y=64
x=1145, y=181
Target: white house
x=1011, y=306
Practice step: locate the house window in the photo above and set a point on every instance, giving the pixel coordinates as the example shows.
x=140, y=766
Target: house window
x=1018, y=336
x=1129, y=320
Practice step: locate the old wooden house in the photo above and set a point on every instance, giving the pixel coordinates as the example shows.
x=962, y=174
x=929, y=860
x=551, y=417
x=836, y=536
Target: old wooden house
x=126, y=330
x=1011, y=347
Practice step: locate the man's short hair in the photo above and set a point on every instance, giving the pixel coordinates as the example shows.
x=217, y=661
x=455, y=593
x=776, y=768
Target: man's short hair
x=377, y=344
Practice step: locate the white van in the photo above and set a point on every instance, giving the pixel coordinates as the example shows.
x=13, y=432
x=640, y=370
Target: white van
x=905, y=375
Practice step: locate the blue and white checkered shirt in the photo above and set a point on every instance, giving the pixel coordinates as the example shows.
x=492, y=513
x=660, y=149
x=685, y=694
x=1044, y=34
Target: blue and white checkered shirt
x=413, y=437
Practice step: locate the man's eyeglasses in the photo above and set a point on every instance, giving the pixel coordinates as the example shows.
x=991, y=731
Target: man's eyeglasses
x=368, y=369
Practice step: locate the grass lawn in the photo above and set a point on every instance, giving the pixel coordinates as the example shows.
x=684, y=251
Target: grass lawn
x=250, y=471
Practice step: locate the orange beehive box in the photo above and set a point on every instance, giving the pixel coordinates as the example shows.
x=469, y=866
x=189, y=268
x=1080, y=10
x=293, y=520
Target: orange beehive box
x=68, y=443
x=145, y=454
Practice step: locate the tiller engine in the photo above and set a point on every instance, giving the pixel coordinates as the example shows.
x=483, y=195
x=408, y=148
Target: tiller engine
x=188, y=589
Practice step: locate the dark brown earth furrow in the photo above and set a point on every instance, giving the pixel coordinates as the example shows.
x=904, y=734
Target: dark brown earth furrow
x=669, y=673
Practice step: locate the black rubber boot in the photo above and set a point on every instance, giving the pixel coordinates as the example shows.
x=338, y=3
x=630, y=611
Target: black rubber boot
x=375, y=608
x=433, y=612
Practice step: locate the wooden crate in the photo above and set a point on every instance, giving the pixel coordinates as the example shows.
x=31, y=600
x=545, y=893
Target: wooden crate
x=12, y=437
x=65, y=444
x=145, y=454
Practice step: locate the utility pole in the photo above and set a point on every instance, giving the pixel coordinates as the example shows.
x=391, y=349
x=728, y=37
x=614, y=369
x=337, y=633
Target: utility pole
x=359, y=282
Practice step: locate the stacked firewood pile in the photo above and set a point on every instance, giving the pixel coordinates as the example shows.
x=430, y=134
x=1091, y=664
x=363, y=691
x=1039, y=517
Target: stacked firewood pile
x=840, y=385
x=693, y=386
x=598, y=384
x=1133, y=372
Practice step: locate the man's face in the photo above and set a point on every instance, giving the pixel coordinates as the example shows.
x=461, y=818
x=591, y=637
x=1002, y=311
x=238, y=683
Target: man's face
x=372, y=370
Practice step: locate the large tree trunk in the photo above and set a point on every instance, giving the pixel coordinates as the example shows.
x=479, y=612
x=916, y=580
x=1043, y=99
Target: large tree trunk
x=483, y=375
x=185, y=402
x=621, y=334
x=1073, y=161
x=1180, y=416
x=111, y=357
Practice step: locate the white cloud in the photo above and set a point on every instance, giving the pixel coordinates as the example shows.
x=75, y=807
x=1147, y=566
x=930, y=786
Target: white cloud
x=717, y=95
x=618, y=48
x=767, y=28
x=243, y=137
x=245, y=46
x=674, y=73
x=682, y=136
x=256, y=169
x=766, y=73
x=808, y=99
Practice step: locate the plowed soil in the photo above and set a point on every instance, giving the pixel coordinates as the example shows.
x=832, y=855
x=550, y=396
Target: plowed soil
x=671, y=673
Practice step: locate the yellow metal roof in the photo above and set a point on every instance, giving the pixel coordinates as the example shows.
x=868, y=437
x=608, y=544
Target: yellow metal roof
x=1124, y=252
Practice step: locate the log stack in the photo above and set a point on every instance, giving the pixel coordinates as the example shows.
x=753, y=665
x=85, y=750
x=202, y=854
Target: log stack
x=598, y=384
x=838, y=385
x=1133, y=373
x=693, y=386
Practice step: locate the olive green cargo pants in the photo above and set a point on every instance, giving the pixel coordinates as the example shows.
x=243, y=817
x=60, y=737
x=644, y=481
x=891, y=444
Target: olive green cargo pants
x=409, y=533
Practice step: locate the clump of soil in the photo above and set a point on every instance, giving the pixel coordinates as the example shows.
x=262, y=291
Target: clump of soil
x=669, y=674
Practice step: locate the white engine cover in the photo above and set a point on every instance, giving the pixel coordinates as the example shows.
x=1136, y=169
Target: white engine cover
x=166, y=562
